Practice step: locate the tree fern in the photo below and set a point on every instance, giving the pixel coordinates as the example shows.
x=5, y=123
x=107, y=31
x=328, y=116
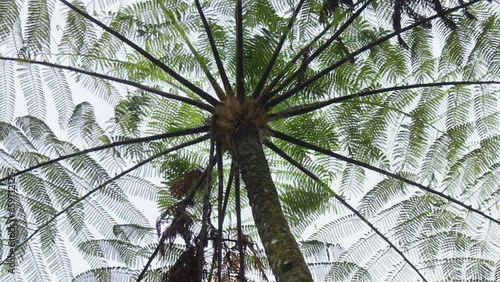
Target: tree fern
x=379, y=121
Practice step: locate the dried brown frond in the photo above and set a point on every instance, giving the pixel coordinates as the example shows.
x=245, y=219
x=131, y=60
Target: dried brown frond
x=181, y=187
x=185, y=268
x=180, y=226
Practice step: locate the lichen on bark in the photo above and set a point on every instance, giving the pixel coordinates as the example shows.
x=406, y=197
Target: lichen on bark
x=282, y=250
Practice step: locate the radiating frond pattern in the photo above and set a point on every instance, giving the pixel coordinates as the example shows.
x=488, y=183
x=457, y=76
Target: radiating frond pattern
x=381, y=136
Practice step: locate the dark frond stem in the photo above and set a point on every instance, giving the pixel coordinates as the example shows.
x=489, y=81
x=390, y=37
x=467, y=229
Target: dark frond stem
x=288, y=158
x=439, y=9
x=212, y=267
x=111, y=145
x=193, y=192
x=198, y=91
x=228, y=186
x=123, y=173
x=276, y=52
x=187, y=200
x=220, y=215
x=376, y=169
x=302, y=53
x=337, y=33
x=206, y=204
x=240, y=78
x=320, y=50
x=467, y=14
x=215, y=52
x=215, y=85
x=304, y=109
x=238, y=221
x=186, y=100
x=330, y=68
x=494, y=203
x=345, y=50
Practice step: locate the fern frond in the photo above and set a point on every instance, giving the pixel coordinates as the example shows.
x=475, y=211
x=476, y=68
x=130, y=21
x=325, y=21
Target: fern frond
x=172, y=73
x=7, y=103
x=31, y=83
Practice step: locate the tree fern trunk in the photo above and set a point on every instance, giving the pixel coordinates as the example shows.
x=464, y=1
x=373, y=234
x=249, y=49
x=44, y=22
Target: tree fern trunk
x=283, y=253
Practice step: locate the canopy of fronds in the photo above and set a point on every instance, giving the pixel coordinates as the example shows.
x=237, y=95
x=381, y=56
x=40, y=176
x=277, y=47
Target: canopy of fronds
x=380, y=125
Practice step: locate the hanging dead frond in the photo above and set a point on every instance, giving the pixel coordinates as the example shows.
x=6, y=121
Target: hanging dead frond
x=230, y=267
x=180, y=226
x=185, y=268
x=181, y=187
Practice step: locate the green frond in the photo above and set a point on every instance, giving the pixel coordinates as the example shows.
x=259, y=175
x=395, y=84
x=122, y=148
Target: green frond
x=133, y=233
x=61, y=93
x=434, y=161
x=454, y=268
x=106, y=45
x=31, y=84
x=352, y=181
x=168, y=116
x=310, y=128
x=307, y=202
x=38, y=271
x=349, y=224
x=321, y=252
x=83, y=124
x=347, y=271
x=58, y=259
x=448, y=243
x=139, y=187
x=37, y=132
x=8, y=101
x=13, y=139
x=485, y=113
x=497, y=272
x=485, y=49
x=115, y=250
x=130, y=112
x=378, y=263
x=435, y=126
x=9, y=15
x=38, y=23
x=401, y=273
x=382, y=194
x=78, y=33
x=106, y=274
x=101, y=88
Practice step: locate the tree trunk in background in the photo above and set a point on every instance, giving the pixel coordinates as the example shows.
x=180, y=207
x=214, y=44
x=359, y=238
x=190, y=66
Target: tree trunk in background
x=282, y=250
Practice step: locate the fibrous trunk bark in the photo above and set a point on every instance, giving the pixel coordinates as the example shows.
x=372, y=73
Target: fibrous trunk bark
x=282, y=250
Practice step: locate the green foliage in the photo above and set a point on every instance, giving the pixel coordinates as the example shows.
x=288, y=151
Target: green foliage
x=445, y=137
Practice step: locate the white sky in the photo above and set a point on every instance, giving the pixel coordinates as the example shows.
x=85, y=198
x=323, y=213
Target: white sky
x=104, y=112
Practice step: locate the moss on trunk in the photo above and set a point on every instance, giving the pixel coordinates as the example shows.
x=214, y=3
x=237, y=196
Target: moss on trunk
x=282, y=250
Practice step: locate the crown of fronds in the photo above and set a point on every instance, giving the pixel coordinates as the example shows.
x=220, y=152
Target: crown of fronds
x=383, y=132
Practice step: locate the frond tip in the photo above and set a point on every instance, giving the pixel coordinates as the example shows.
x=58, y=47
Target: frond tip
x=384, y=172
